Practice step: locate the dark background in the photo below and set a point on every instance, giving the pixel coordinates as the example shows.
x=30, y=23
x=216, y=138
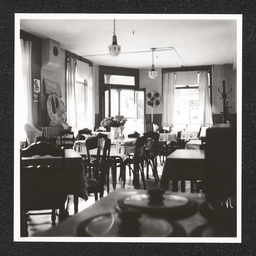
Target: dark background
x=7, y=11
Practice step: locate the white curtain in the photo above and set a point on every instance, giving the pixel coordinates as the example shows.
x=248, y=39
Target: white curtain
x=205, y=110
x=23, y=89
x=90, y=110
x=71, y=93
x=168, y=99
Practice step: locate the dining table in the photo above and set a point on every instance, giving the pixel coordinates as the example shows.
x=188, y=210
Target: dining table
x=75, y=180
x=190, y=221
x=182, y=165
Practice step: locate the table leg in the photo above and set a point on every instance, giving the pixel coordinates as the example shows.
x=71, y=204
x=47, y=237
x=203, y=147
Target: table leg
x=75, y=203
x=183, y=186
x=174, y=185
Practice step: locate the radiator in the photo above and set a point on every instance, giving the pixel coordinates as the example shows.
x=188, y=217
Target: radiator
x=51, y=131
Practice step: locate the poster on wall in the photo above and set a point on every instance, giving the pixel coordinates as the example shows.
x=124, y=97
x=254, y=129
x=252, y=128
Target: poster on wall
x=36, y=90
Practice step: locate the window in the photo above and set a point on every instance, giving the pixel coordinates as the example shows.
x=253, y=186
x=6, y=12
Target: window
x=80, y=100
x=81, y=103
x=120, y=80
x=187, y=99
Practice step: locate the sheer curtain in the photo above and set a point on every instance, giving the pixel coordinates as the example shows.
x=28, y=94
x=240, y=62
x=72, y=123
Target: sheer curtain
x=90, y=109
x=71, y=92
x=23, y=87
x=168, y=99
x=205, y=110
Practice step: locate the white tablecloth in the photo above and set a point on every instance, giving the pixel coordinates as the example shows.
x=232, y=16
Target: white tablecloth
x=193, y=144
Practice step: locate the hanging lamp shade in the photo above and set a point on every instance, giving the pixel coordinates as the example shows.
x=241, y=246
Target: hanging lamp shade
x=152, y=73
x=114, y=49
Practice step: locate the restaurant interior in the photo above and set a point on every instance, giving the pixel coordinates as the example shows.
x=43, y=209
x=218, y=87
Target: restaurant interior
x=127, y=126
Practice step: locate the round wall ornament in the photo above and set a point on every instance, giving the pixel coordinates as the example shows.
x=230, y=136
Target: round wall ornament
x=56, y=109
x=153, y=98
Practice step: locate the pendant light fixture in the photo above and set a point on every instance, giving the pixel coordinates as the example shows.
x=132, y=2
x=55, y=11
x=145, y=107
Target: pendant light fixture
x=152, y=73
x=114, y=48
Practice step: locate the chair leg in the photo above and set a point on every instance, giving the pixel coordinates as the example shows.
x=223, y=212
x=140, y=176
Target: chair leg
x=123, y=171
x=143, y=176
x=75, y=203
x=147, y=162
x=114, y=166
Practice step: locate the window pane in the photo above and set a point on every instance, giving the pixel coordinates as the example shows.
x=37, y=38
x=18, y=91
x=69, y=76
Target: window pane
x=115, y=79
x=186, y=106
x=80, y=105
x=106, y=103
x=114, y=102
x=127, y=103
x=139, y=114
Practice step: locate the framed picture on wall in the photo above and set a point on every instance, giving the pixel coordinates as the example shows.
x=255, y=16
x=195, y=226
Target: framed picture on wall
x=36, y=91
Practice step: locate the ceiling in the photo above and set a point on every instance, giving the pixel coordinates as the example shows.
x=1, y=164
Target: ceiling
x=179, y=40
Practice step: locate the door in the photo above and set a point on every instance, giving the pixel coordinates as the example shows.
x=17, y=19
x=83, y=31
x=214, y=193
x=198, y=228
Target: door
x=129, y=103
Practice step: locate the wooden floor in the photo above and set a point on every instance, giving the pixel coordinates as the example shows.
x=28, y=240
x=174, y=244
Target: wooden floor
x=43, y=222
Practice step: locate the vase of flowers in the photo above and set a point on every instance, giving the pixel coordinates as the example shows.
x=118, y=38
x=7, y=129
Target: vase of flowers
x=115, y=123
x=114, y=132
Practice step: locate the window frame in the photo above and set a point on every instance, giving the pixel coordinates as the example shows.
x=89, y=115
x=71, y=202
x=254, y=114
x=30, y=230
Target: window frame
x=109, y=70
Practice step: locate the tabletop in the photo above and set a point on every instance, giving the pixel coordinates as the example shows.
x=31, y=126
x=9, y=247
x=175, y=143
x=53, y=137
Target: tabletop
x=68, y=228
x=183, y=164
x=75, y=177
x=180, y=154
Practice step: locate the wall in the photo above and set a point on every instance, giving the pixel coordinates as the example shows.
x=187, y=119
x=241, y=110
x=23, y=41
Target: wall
x=220, y=73
x=152, y=84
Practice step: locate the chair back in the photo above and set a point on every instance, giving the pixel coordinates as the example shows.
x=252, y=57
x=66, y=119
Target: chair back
x=139, y=148
x=152, y=139
x=98, y=153
x=46, y=139
x=86, y=131
x=42, y=183
x=220, y=156
x=67, y=139
x=99, y=147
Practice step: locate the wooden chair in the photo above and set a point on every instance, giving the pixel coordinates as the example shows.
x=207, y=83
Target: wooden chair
x=150, y=153
x=67, y=139
x=137, y=161
x=98, y=150
x=165, y=149
x=42, y=185
x=83, y=131
x=46, y=139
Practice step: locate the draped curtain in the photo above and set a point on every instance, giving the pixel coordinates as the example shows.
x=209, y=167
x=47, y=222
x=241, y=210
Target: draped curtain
x=90, y=110
x=205, y=110
x=71, y=92
x=23, y=89
x=168, y=99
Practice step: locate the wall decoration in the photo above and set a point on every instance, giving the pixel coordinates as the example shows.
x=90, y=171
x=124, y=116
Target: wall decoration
x=36, y=89
x=56, y=109
x=52, y=87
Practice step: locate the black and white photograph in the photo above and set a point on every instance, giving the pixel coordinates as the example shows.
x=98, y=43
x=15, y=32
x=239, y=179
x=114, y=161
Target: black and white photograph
x=128, y=128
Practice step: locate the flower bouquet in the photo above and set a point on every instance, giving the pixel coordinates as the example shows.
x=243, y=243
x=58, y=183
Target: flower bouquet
x=116, y=125
x=115, y=121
